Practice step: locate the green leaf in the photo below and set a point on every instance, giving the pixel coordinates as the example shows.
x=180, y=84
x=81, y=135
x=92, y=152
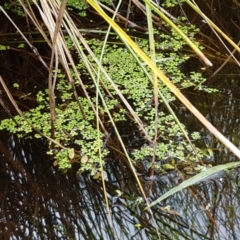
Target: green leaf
x=137, y=225
x=71, y=153
x=119, y=193
x=168, y=166
x=84, y=159
x=2, y=47
x=21, y=45
x=16, y=85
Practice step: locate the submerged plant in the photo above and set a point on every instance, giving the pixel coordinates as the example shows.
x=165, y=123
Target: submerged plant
x=78, y=132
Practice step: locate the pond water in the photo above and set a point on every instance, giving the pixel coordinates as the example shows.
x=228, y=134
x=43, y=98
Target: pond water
x=39, y=202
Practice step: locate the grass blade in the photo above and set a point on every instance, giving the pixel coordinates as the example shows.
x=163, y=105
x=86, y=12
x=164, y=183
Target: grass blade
x=199, y=177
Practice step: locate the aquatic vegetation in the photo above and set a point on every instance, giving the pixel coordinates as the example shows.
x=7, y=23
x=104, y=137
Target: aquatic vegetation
x=75, y=131
x=104, y=82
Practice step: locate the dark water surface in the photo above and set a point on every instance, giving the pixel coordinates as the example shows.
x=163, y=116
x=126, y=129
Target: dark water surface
x=39, y=202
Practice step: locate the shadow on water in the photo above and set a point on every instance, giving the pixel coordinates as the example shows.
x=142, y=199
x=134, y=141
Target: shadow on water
x=39, y=202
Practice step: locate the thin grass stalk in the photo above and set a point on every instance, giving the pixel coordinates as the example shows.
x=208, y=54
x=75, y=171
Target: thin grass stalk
x=120, y=139
x=71, y=29
x=61, y=48
x=231, y=54
x=140, y=6
x=31, y=14
x=35, y=51
x=142, y=64
x=136, y=118
x=225, y=63
x=155, y=84
x=151, y=40
x=96, y=82
x=198, y=10
x=51, y=82
x=23, y=116
x=97, y=120
x=167, y=82
x=124, y=19
x=184, y=37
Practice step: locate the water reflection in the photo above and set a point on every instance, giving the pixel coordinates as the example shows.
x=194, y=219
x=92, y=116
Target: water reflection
x=222, y=110
x=39, y=202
